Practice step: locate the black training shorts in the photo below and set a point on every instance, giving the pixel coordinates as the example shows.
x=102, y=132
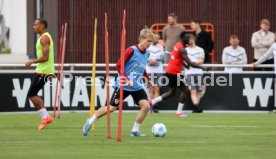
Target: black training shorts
x=174, y=80
x=136, y=95
x=38, y=82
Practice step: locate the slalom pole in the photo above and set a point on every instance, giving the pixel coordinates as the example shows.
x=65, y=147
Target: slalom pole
x=92, y=97
x=58, y=71
x=123, y=45
x=61, y=68
x=107, y=77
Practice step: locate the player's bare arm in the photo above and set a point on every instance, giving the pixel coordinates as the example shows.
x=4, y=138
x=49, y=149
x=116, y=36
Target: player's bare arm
x=199, y=62
x=185, y=57
x=45, y=43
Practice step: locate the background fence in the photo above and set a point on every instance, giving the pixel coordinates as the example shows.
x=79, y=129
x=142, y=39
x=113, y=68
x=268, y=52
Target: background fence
x=229, y=17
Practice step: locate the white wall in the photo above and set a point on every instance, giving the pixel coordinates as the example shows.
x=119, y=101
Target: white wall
x=15, y=17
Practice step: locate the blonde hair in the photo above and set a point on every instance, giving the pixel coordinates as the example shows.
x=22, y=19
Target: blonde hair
x=265, y=21
x=147, y=34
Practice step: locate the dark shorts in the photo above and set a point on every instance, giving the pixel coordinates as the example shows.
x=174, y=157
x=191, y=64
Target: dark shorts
x=195, y=82
x=136, y=95
x=173, y=80
x=38, y=82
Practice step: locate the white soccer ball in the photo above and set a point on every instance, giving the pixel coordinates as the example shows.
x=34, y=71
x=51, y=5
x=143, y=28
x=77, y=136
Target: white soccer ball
x=159, y=130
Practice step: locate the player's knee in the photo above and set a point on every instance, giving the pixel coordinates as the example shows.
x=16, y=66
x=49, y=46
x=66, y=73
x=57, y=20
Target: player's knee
x=31, y=94
x=193, y=92
x=112, y=108
x=145, y=108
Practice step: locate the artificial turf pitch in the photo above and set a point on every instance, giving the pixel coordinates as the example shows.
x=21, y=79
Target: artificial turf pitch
x=199, y=136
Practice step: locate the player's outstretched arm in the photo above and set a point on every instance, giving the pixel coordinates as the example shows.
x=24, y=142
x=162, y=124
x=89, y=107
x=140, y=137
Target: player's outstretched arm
x=266, y=55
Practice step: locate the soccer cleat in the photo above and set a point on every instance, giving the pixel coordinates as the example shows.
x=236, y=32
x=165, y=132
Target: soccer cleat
x=44, y=122
x=86, y=128
x=151, y=106
x=181, y=114
x=137, y=134
x=155, y=110
x=198, y=111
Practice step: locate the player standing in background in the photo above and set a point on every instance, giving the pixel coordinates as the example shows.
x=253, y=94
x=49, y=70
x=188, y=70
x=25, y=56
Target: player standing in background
x=178, y=59
x=44, y=69
x=261, y=41
x=155, y=68
x=136, y=58
x=234, y=55
x=170, y=35
x=194, y=76
x=203, y=39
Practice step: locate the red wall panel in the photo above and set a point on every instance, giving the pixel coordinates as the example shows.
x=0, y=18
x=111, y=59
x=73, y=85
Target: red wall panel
x=228, y=16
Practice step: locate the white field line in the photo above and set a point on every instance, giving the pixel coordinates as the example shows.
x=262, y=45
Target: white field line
x=160, y=139
x=224, y=126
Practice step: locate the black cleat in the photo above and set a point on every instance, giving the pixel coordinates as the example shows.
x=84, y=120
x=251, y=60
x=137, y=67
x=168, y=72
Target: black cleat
x=198, y=111
x=155, y=109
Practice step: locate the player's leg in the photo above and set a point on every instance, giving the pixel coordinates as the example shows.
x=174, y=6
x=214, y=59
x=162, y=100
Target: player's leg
x=140, y=98
x=197, y=94
x=192, y=82
x=37, y=84
x=37, y=101
x=114, y=103
x=156, y=91
x=156, y=94
x=170, y=93
x=194, y=97
x=151, y=92
x=197, y=91
x=201, y=92
x=184, y=92
x=98, y=114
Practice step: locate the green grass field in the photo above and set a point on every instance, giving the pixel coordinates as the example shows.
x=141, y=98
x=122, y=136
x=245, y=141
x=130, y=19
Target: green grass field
x=199, y=136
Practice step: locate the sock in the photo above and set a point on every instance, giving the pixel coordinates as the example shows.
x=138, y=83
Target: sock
x=156, y=100
x=92, y=120
x=46, y=112
x=43, y=113
x=180, y=107
x=136, y=127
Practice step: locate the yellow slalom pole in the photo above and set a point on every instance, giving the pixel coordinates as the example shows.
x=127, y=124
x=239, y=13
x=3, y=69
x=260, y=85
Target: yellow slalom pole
x=92, y=97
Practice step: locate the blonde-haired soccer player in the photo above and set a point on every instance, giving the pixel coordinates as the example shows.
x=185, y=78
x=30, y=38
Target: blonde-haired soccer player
x=136, y=58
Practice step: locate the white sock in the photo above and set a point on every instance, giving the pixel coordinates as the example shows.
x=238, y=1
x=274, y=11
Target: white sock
x=43, y=113
x=156, y=100
x=46, y=112
x=92, y=120
x=180, y=107
x=136, y=127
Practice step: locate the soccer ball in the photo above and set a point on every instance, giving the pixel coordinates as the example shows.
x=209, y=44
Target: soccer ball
x=159, y=130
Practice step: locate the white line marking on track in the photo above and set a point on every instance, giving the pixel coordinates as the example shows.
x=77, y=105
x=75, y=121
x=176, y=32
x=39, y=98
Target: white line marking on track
x=224, y=126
